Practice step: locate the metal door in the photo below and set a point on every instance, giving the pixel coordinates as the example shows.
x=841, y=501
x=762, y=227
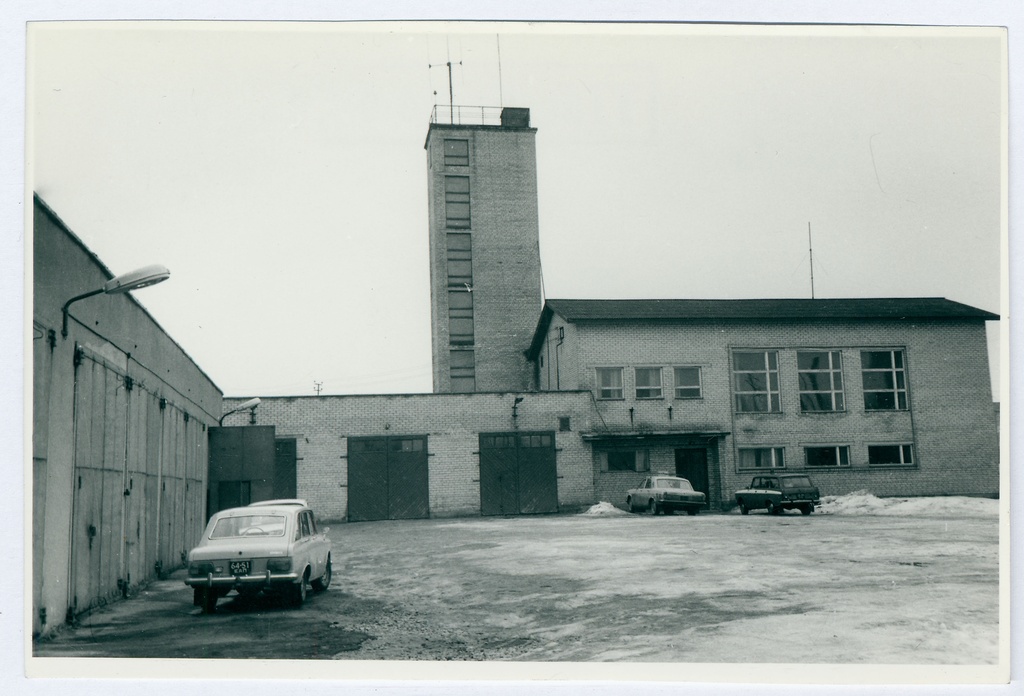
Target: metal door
x=518, y=473
x=388, y=478
x=692, y=465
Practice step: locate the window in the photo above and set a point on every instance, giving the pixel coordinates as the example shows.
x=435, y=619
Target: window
x=688, y=383
x=609, y=382
x=890, y=455
x=456, y=201
x=625, y=460
x=648, y=382
x=407, y=444
x=762, y=458
x=460, y=259
x=460, y=317
x=820, y=374
x=885, y=380
x=456, y=153
x=462, y=364
x=756, y=381
x=828, y=456
x=564, y=424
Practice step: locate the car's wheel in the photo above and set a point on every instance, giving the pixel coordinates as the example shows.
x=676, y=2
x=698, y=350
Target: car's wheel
x=297, y=592
x=743, y=508
x=652, y=507
x=629, y=503
x=772, y=508
x=692, y=511
x=324, y=581
x=206, y=598
x=806, y=509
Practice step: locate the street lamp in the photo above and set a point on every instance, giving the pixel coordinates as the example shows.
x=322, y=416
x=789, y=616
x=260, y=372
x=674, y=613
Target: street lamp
x=139, y=278
x=251, y=403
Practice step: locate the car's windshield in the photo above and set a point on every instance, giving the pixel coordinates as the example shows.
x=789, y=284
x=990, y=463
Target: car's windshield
x=248, y=525
x=674, y=483
x=796, y=482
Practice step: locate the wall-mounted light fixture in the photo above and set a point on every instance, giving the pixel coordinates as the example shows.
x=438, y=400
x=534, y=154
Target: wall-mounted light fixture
x=515, y=407
x=250, y=404
x=140, y=278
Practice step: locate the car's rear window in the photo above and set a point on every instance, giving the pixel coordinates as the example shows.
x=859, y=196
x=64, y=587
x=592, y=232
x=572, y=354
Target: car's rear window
x=796, y=482
x=674, y=483
x=248, y=525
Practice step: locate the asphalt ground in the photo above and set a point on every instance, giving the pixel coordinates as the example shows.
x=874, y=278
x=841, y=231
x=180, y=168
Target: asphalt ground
x=634, y=588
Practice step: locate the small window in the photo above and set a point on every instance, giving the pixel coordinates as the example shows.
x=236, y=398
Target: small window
x=890, y=455
x=885, y=380
x=609, y=383
x=648, y=382
x=304, y=524
x=564, y=424
x=456, y=201
x=456, y=153
x=462, y=364
x=756, y=381
x=762, y=458
x=626, y=460
x=688, y=383
x=828, y=456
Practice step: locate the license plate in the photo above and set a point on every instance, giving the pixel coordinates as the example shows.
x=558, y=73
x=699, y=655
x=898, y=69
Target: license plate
x=239, y=567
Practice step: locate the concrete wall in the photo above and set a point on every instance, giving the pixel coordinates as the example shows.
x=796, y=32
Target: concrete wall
x=951, y=421
x=119, y=455
x=321, y=426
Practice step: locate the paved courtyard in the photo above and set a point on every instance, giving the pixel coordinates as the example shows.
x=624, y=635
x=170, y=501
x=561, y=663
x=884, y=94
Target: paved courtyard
x=917, y=588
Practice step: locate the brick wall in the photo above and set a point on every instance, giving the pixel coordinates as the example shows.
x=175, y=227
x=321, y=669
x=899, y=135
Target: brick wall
x=951, y=422
x=452, y=423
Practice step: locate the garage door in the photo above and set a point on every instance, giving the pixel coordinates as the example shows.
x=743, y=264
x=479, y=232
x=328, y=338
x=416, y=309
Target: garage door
x=517, y=473
x=387, y=478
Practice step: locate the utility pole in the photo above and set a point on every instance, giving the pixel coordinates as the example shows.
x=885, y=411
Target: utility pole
x=317, y=386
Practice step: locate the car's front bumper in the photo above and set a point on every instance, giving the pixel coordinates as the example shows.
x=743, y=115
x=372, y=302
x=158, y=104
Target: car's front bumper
x=231, y=581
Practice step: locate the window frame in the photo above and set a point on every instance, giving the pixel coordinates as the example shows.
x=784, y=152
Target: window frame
x=773, y=397
x=660, y=388
x=675, y=382
x=835, y=394
x=641, y=460
x=599, y=388
x=454, y=198
x=777, y=454
x=455, y=160
x=904, y=448
x=842, y=452
x=896, y=372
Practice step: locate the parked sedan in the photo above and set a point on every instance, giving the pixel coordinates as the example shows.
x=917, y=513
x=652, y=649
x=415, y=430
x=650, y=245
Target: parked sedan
x=269, y=546
x=665, y=494
x=778, y=493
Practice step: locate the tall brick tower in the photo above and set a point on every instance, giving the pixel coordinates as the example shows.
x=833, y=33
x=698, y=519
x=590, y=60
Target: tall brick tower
x=485, y=292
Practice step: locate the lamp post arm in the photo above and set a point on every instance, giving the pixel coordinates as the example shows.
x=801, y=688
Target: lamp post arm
x=64, y=309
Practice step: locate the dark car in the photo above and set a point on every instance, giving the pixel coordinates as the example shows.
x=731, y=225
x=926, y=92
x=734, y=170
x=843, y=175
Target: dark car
x=778, y=493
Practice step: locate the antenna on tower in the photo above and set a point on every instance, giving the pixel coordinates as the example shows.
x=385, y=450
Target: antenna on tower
x=451, y=89
x=810, y=249
x=317, y=386
x=501, y=97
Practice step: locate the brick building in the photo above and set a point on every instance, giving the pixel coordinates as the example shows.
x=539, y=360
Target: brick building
x=887, y=395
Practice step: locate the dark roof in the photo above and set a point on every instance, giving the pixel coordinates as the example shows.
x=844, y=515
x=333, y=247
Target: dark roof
x=739, y=310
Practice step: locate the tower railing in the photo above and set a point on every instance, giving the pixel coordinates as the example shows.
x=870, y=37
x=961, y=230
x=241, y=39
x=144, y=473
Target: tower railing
x=466, y=115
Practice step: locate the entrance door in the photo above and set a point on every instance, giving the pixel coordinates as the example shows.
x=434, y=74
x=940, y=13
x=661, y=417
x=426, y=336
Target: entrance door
x=388, y=478
x=518, y=474
x=692, y=465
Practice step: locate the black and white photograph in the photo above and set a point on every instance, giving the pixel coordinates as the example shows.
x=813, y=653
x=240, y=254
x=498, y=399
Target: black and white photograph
x=628, y=351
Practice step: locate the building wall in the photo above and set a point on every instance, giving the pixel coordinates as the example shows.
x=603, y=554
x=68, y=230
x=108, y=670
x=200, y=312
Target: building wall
x=504, y=228
x=321, y=426
x=120, y=415
x=951, y=422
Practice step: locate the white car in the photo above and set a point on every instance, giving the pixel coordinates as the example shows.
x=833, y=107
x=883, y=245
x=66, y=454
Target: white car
x=269, y=546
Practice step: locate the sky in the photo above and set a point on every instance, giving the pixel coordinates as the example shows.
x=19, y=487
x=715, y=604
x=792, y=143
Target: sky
x=278, y=171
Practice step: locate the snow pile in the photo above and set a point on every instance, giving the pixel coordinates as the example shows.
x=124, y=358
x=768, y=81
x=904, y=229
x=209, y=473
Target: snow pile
x=865, y=503
x=603, y=509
